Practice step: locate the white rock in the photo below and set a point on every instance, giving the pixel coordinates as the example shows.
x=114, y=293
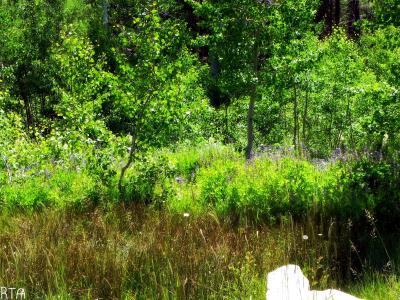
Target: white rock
x=289, y=283
x=330, y=295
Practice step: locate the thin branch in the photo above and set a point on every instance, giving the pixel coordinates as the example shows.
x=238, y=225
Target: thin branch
x=133, y=148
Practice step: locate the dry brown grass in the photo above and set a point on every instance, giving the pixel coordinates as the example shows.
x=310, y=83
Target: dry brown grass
x=130, y=252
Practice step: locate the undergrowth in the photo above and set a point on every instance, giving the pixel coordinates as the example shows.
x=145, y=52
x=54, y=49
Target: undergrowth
x=195, y=222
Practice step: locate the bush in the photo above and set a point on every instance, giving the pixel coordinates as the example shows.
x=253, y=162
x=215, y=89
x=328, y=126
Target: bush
x=264, y=189
x=374, y=185
x=209, y=177
x=61, y=189
x=148, y=182
x=267, y=189
x=160, y=176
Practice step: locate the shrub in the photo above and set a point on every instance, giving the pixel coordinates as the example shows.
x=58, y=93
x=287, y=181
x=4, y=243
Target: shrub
x=267, y=189
x=147, y=181
x=60, y=189
x=263, y=189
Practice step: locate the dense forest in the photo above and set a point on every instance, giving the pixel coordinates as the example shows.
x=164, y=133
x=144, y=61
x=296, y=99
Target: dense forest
x=240, y=135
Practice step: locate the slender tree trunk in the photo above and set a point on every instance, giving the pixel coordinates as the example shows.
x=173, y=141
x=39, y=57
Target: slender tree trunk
x=341, y=128
x=250, y=126
x=252, y=101
x=134, y=146
x=132, y=153
x=330, y=131
x=215, y=66
x=227, y=135
x=305, y=116
x=282, y=110
x=337, y=12
x=296, y=120
x=329, y=11
x=354, y=16
x=329, y=16
x=28, y=114
x=105, y=13
x=43, y=105
x=348, y=115
x=352, y=143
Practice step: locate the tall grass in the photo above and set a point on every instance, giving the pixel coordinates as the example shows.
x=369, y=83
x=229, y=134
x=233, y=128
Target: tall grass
x=132, y=252
x=377, y=286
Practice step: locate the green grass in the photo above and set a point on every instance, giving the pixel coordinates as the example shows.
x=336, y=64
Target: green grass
x=378, y=286
x=58, y=188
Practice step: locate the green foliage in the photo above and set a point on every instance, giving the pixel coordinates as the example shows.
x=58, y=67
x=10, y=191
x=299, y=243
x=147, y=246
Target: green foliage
x=11, y=129
x=61, y=189
x=156, y=177
x=268, y=189
x=387, y=11
x=162, y=94
x=75, y=89
x=377, y=286
x=374, y=186
x=147, y=182
x=263, y=190
x=132, y=70
x=80, y=84
x=92, y=90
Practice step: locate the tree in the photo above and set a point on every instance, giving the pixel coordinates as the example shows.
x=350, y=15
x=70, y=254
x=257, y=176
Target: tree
x=27, y=29
x=387, y=12
x=156, y=87
x=243, y=35
x=354, y=16
x=238, y=47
